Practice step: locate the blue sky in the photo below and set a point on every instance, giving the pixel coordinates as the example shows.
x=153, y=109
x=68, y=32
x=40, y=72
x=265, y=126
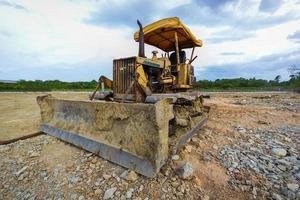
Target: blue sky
x=77, y=40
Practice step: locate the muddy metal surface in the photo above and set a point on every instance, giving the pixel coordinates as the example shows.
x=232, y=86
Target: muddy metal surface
x=248, y=149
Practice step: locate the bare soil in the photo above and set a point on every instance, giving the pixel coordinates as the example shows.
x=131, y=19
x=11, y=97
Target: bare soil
x=20, y=114
x=56, y=170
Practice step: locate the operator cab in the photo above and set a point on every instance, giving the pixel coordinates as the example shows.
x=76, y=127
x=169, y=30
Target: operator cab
x=182, y=57
x=175, y=71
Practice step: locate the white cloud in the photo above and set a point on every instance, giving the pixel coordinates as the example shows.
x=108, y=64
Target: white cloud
x=267, y=41
x=52, y=33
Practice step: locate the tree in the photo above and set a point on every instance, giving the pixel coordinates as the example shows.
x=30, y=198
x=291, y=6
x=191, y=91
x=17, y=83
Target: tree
x=295, y=76
x=294, y=71
x=277, y=78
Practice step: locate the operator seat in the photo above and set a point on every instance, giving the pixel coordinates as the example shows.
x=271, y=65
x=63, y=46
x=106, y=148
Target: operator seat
x=182, y=57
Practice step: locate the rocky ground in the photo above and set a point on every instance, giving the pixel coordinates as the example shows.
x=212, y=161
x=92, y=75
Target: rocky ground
x=249, y=149
x=270, y=158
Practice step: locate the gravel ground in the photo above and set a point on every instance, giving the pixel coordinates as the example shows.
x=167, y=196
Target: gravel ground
x=248, y=150
x=27, y=173
x=271, y=155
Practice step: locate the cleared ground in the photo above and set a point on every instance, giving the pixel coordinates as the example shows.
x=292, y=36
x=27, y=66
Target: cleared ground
x=19, y=112
x=233, y=155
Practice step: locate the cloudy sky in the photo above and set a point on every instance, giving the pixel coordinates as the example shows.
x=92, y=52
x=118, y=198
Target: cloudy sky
x=77, y=40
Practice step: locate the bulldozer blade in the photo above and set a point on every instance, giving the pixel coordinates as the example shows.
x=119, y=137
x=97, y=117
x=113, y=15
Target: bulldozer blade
x=133, y=135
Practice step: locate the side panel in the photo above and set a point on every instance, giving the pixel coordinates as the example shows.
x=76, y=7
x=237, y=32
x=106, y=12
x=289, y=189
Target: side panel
x=123, y=75
x=183, y=77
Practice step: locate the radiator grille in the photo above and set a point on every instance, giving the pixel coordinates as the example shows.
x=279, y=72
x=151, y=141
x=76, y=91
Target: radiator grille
x=123, y=75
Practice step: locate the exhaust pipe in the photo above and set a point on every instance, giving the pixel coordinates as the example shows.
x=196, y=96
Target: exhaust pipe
x=141, y=41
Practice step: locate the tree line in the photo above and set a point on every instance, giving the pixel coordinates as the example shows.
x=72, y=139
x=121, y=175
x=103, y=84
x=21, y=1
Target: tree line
x=253, y=83
x=49, y=85
x=218, y=84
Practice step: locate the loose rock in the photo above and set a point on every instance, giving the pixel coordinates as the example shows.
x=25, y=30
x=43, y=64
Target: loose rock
x=129, y=176
x=21, y=170
x=188, y=148
x=186, y=171
x=106, y=176
x=293, y=187
x=98, y=191
x=215, y=147
x=175, y=157
x=279, y=152
x=129, y=193
x=109, y=193
x=276, y=196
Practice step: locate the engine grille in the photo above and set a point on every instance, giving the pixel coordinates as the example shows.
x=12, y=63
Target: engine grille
x=123, y=75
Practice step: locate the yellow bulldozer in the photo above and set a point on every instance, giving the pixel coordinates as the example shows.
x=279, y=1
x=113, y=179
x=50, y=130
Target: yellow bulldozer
x=146, y=113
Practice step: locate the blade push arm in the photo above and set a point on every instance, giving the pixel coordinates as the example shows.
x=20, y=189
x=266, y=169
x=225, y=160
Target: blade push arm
x=103, y=82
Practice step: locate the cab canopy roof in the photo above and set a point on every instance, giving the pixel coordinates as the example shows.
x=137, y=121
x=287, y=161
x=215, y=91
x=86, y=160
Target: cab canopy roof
x=161, y=34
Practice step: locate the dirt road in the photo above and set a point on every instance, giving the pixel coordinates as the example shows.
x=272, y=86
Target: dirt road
x=249, y=149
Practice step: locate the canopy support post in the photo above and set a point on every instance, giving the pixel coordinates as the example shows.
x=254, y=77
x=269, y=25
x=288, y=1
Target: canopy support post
x=192, y=55
x=177, y=48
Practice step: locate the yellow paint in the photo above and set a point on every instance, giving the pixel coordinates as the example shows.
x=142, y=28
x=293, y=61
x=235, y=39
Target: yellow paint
x=142, y=79
x=161, y=35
